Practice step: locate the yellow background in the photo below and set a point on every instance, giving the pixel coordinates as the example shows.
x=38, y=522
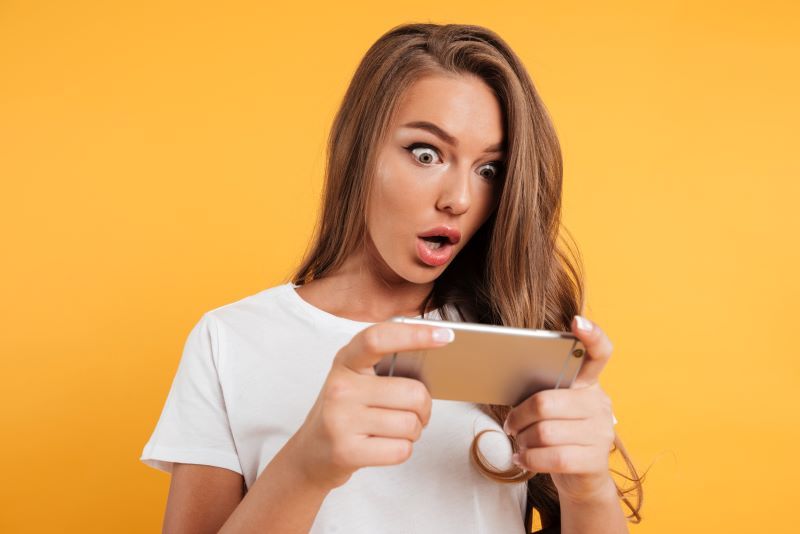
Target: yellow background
x=159, y=159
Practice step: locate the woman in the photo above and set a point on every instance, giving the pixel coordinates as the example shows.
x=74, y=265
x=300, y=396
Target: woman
x=442, y=200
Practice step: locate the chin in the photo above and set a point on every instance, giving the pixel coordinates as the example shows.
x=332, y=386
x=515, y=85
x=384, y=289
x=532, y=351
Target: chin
x=422, y=278
x=410, y=273
x=419, y=274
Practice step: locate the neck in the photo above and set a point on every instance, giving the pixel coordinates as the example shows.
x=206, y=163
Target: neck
x=365, y=289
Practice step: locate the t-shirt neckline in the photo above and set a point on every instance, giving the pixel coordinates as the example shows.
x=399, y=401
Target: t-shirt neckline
x=329, y=317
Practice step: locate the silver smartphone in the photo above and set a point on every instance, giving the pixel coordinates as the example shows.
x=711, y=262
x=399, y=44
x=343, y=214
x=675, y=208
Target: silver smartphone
x=489, y=364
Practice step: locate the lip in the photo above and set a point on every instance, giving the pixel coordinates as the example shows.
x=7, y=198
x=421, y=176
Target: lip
x=452, y=234
x=434, y=257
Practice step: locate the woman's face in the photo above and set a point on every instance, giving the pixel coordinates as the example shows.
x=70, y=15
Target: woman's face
x=438, y=176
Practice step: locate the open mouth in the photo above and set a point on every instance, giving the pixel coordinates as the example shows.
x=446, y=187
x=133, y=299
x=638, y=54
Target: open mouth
x=435, y=242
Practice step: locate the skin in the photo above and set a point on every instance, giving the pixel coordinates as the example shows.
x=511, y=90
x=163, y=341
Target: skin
x=360, y=419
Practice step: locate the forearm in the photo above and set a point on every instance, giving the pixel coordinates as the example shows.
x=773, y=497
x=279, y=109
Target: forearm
x=282, y=500
x=601, y=514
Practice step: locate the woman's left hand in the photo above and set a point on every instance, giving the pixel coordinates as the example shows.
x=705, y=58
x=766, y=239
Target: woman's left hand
x=569, y=432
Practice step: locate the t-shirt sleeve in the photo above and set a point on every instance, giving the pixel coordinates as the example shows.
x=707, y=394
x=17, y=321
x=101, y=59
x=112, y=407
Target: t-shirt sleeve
x=194, y=427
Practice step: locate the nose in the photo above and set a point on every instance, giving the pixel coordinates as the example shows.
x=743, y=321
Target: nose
x=455, y=195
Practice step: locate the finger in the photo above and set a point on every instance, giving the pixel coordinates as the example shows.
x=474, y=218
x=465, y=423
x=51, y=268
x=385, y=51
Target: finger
x=371, y=344
x=563, y=459
x=383, y=423
x=598, y=350
x=552, y=404
x=553, y=432
x=397, y=393
x=371, y=451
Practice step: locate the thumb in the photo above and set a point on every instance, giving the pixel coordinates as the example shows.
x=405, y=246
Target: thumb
x=374, y=342
x=598, y=350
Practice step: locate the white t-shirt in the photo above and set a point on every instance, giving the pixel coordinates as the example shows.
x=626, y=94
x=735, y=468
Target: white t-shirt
x=250, y=372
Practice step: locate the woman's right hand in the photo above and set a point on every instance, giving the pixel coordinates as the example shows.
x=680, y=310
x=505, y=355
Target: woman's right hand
x=360, y=419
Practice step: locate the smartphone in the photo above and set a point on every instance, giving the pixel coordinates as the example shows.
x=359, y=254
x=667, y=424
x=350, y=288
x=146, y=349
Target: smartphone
x=489, y=364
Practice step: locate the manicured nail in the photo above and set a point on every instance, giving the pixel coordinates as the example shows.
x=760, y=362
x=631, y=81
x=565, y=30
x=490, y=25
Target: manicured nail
x=515, y=459
x=505, y=427
x=583, y=323
x=444, y=335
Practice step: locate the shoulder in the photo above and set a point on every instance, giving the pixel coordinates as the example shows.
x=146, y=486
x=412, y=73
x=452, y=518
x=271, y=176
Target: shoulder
x=252, y=311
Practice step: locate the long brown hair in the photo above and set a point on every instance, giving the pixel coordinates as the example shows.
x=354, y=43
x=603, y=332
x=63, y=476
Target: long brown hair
x=513, y=271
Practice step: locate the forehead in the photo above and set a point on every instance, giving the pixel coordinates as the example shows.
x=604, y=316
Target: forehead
x=462, y=105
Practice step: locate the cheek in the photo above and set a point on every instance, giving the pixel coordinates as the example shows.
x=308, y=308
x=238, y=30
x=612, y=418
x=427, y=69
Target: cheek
x=482, y=208
x=399, y=192
x=484, y=198
x=396, y=207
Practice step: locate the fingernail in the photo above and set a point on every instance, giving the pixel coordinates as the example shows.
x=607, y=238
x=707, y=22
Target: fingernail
x=444, y=335
x=507, y=428
x=515, y=459
x=583, y=323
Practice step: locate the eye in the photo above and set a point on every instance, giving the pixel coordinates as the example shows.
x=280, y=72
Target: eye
x=423, y=153
x=491, y=171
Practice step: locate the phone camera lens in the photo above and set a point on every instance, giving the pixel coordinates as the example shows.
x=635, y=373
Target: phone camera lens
x=577, y=353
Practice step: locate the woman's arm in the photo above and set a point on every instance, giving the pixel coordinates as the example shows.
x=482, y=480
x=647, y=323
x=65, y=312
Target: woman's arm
x=569, y=434
x=282, y=499
x=330, y=445
x=202, y=499
x=599, y=514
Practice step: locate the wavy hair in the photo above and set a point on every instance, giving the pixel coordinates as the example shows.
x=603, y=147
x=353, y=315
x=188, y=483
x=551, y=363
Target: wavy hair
x=514, y=271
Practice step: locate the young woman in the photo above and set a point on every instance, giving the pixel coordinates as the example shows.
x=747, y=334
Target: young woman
x=442, y=200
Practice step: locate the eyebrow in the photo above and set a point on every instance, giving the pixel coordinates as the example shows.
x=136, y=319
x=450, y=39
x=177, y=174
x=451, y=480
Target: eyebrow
x=446, y=137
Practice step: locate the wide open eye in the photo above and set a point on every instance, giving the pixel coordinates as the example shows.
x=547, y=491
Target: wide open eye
x=423, y=153
x=491, y=171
